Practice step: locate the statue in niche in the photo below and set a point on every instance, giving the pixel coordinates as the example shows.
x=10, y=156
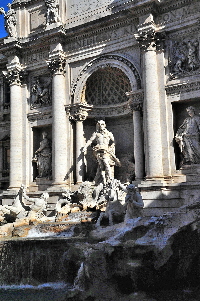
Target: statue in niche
x=10, y=21
x=43, y=157
x=52, y=15
x=104, y=152
x=133, y=201
x=40, y=93
x=188, y=138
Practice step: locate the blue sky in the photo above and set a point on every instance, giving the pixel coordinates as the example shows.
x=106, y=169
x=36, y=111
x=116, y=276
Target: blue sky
x=3, y=3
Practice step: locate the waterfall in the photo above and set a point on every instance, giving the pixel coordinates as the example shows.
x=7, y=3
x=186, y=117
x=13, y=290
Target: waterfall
x=32, y=261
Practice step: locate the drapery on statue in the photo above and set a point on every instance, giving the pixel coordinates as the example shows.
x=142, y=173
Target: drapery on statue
x=52, y=15
x=10, y=21
x=43, y=157
x=188, y=138
x=104, y=152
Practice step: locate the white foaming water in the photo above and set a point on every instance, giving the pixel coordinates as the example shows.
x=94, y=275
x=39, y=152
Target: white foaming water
x=34, y=232
x=51, y=285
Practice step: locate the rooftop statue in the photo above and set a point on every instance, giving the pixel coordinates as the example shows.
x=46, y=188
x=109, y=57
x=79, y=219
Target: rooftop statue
x=104, y=152
x=52, y=15
x=10, y=21
x=188, y=136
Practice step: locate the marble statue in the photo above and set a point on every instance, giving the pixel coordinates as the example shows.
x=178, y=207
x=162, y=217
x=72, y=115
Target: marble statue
x=43, y=157
x=52, y=15
x=114, y=208
x=38, y=207
x=10, y=20
x=188, y=138
x=104, y=152
x=133, y=201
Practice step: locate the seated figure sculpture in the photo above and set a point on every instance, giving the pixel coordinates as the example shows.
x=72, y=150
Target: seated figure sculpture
x=133, y=201
x=104, y=152
x=188, y=138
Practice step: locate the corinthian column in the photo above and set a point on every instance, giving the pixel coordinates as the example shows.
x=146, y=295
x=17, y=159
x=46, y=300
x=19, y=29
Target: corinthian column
x=149, y=40
x=14, y=75
x=56, y=64
x=79, y=112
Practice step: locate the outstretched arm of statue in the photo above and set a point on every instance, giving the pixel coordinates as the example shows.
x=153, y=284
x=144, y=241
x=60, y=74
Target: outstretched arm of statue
x=89, y=142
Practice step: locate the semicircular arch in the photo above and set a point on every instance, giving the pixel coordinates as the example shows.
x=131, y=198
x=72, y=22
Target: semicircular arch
x=114, y=61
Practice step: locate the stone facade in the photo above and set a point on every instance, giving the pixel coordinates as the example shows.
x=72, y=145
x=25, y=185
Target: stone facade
x=134, y=64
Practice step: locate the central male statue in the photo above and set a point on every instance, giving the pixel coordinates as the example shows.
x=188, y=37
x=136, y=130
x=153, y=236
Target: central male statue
x=104, y=151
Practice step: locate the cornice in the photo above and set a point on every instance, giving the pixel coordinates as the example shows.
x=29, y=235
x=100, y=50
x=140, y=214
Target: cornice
x=168, y=5
x=178, y=88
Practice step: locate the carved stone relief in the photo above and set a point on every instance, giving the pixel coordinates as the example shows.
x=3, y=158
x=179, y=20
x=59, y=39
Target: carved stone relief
x=40, y=92
x=184, y=58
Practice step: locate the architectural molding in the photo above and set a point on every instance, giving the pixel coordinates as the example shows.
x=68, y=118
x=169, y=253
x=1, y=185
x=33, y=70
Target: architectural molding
x=34, y=116
x=182, y=87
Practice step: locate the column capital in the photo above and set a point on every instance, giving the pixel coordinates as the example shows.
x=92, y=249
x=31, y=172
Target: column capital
x=78, y=111
x=57, y=65
x=149, y=39
x=57, y=60
x=15, y=73
x=136, y=100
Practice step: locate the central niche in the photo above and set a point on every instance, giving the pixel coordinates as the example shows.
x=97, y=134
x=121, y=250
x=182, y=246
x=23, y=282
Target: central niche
x=107, y=86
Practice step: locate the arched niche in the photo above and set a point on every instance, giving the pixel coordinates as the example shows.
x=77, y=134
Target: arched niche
x=104, y=83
